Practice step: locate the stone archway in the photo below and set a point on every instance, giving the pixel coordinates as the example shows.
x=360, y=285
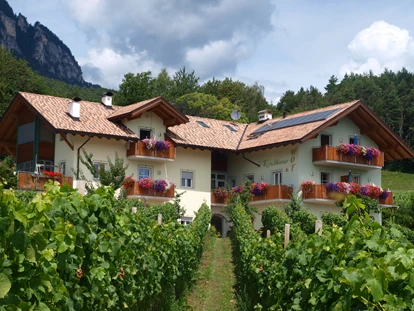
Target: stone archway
x=220, y=223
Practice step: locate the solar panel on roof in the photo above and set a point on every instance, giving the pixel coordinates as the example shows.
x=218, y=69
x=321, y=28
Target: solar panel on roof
x=203, y=124
x=230, y=128
x=318, y=116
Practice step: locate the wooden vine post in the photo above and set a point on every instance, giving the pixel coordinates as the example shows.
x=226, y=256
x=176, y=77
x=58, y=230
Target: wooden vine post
x=318, y=226
x=268, y=233
x=159, y=219
x=287, y=234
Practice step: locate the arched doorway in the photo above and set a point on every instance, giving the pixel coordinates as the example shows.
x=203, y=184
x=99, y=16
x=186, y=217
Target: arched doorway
x=220, y=223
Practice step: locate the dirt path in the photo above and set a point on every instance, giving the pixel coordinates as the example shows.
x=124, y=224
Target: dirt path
x=214, y=288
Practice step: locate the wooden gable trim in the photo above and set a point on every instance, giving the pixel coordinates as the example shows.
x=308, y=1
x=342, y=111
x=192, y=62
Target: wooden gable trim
x=66, y=140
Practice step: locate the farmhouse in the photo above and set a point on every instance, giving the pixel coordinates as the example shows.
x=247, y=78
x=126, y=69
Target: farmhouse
x=48, y=133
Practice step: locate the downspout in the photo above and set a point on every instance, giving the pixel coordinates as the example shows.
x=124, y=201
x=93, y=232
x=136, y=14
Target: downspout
x=244, y=157
x=77, y=167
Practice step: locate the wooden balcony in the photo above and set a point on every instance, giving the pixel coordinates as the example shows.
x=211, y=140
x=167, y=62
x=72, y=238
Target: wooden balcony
x=29, y=181
x=273, y=193
x=329, y=155
x=138, y=192
x=318, y=194
x=137, y=150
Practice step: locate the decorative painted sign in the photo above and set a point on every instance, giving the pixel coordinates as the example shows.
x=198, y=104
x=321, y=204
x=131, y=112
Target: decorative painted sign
x=269, y=163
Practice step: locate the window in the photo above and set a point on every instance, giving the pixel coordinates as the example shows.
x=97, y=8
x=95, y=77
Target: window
x=357, y=179
x=186, y=179
x=249, y=177
x=63, y=168
x=144, y=172
x=232, y=181
x=326, y=140
x=98, y=166
x=144, y=133
x=186, y=220
x=352, y=140
x=325, y=178
x=277, y=177
x=218, y=180
x=203, y=124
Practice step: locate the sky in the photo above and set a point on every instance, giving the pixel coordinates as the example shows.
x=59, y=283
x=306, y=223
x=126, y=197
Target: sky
x=280, y=44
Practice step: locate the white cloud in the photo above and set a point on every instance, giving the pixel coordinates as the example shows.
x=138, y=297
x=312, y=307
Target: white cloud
x=107, y=67
x=380, y=46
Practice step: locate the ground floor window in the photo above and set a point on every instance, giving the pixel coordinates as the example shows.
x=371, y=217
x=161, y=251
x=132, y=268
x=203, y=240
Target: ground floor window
x=249, y=177
x=186, y=220
x=98, y=166
x=187, y=179
x=218, y=180
x=232, y=181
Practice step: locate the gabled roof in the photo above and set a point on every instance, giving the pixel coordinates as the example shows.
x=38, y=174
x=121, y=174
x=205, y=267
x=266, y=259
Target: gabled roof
x=219, y=134
x=215, y=138
x=158, y=105
x=93, y=119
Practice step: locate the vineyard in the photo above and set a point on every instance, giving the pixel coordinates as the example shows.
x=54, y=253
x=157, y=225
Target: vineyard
x=64, y=251
x=360, y=266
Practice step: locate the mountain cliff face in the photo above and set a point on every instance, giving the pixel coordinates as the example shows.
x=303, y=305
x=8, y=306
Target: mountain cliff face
x=40, y=47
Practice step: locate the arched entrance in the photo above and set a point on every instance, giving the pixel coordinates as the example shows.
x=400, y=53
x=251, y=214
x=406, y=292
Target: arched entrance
x=220, y=223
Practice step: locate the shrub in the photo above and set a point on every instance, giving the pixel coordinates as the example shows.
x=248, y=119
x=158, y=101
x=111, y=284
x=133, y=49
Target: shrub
x=305, y=220
x=274, y=219
x=333, y=218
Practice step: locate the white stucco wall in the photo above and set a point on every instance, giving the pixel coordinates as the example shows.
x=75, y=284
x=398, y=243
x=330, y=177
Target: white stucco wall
x=148, y=120
x=198, y=162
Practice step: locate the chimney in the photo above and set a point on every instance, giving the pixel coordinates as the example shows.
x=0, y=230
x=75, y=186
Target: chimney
x=265, y=115
x=74, y=108
x=107, y=99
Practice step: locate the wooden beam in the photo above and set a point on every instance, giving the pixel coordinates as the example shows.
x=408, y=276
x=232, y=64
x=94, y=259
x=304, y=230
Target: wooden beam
x=66, y=140
x=369, y=130
x=169, y=122
x=134, y=116
x=7, y=144
x=10, y=153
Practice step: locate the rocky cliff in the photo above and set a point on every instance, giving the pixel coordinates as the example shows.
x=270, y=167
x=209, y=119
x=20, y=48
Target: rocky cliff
x=40, y=47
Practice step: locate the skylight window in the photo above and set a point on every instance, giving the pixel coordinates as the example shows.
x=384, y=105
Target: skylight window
x=230, y=127
x=203, y=124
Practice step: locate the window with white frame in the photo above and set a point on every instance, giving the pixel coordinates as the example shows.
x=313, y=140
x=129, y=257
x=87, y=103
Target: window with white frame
x=186, y=220
x=357, y=178
x=249, y=177
x=144, y=172
x=218, y=180
x=98, y=166
x=277, y=177
x=187, y=179
x=325, y=177
x=144, y=133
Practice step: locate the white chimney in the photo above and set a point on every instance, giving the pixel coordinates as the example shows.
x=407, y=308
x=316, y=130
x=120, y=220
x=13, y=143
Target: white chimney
x=74, y=108
x=264, y=115
x=107, y=99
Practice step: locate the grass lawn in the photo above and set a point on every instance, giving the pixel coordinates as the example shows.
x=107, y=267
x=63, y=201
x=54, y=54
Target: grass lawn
x=213, y=290
x=396, y=181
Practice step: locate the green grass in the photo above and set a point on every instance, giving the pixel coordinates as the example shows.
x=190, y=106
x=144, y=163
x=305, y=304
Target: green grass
x=213, y=290
x=396, y=181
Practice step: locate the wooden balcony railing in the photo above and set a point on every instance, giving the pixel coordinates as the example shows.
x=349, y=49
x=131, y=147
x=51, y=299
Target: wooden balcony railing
x=137, y=190
x=330, y=153
x=319, y=192
x=29, y=181
x=139, y=149
x=273, y=192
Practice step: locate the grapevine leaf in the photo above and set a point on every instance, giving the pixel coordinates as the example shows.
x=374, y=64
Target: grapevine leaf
x=5, y=285
x=376, y=289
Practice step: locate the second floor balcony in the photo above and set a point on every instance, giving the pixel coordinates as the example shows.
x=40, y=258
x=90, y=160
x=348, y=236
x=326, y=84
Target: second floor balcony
x=138, y=150
x=330, y=156
x=320, y=194
x=274, y=193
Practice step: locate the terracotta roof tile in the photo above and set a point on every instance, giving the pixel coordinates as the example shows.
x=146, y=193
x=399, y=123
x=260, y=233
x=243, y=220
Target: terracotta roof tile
x=217, y=136
x=92, y=121
x=287, y=134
